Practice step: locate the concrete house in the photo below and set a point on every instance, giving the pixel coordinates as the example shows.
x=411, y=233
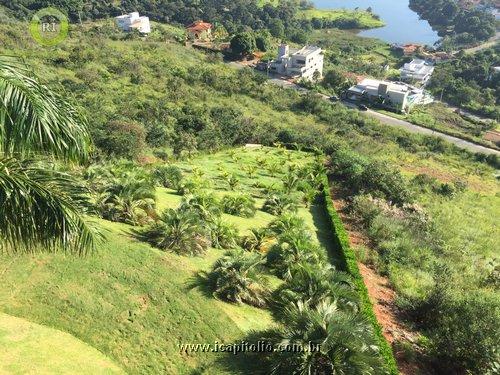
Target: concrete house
x=133, y=21
x=397, y=96
x=199, y=30
x=417, y=70
x=306, y=62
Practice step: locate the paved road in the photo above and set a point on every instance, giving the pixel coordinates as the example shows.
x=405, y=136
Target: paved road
x=412, y=128
x=486, y=44
x=391, y=121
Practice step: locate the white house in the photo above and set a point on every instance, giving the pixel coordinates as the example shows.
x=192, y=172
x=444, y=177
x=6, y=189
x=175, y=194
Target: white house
x=133, y=21
x=394, y=95
x=303, y=63
x=417, y=70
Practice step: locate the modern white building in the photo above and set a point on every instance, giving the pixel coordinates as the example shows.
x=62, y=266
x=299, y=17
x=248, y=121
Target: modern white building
x=393, y=95
x=417, y=70
x=303, y=63
x=133, y=21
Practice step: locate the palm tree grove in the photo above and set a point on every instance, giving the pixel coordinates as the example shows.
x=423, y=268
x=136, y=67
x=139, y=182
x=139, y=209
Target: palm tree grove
x=249, y=187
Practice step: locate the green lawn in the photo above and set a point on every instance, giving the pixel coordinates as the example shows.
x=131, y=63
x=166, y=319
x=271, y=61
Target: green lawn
x=261, y=3
x=364, y=19
x=28, y=348
x=135, y=304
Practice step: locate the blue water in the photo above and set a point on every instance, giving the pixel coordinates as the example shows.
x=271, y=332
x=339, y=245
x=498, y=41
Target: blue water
x=402, y=24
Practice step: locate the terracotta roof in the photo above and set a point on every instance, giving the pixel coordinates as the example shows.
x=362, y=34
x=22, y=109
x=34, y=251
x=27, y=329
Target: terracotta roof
x=199, y=26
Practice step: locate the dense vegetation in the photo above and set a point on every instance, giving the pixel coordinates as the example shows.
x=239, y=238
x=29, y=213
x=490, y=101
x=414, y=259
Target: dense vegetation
x=469, y=81
x=189, y=102
x=453, y=19
x=284, y=19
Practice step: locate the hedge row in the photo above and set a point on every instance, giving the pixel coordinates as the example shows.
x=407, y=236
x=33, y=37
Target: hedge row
x=350, y=264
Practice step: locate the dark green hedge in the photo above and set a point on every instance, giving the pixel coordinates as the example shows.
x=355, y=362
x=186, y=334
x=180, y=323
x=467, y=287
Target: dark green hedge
x=349, y=263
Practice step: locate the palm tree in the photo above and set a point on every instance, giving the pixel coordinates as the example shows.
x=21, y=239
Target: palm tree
x=168, y=176
x=233, y=181
x=127, y=194
x=205, y=206
x=289, y=251
x=256, y=240
x=290, y=182
x=239, y=205
x=176, y=231
x=41, y=208
x=236, y=278
x=277, y=204
x=288, y=224
x=224, y=235
x=314, y=283
x=333, y=341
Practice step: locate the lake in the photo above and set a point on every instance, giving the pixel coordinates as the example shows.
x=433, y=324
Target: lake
x=402, y=24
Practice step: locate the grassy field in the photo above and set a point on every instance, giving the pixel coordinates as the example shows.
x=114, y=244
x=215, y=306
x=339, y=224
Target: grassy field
x=136, y=304
x=261, y=3
x=364, y=19
x=28, y=348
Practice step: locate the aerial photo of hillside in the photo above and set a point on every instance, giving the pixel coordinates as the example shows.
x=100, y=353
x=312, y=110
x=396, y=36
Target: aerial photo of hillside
x=250, y=187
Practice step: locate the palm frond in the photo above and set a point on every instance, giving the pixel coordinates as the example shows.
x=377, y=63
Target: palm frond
x=40, y=209
x=34, y=119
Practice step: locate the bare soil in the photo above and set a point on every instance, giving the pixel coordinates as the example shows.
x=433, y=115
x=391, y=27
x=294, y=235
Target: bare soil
x=381, y=295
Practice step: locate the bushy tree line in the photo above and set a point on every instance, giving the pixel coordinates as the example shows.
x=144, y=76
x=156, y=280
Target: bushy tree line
x=470, y=82
x=280, y=19
x=465, y=25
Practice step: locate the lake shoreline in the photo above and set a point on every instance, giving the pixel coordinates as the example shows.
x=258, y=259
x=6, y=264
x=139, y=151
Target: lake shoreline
x=402, y=25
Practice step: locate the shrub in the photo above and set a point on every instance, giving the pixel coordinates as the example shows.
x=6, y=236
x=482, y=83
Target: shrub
x=239, y=205
x=121, y=139
x=168, y=176
x=350, y=265
x=343, y=341
x=235, y=278
x=290, y=250
x=315, y=283
x=256, y=240
x=224, y=235
x=463, y=329
x=277, y=204
x=177, y=231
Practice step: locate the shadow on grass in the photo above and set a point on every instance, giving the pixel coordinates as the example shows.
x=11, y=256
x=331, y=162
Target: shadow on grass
x=324, y=232
x=200, y=281
x=241, y=362
x=250, y=362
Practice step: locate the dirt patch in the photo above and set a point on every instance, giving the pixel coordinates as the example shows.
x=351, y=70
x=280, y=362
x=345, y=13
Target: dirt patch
x=381, y=294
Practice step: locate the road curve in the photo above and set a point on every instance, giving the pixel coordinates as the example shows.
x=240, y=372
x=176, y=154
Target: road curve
x=391, y=121
x=412, y=128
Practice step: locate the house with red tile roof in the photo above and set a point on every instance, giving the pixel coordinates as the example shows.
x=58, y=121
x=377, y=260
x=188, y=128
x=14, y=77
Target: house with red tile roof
x=199, y=30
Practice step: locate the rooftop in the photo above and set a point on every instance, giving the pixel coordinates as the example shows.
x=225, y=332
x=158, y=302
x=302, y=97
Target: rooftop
x=370, y=83
x=199, y=26
x=307, y=50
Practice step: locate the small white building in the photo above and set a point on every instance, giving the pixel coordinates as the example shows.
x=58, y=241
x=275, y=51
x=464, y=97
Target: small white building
x=133, y=21
x=303, y=63
x=393, y=95
x=417, y=70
